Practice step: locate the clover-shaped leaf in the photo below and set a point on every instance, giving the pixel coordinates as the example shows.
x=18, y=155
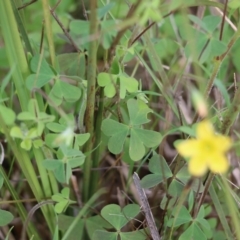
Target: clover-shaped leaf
x=62, y=200
x=43, y=73
x=72, y=64
x=118, y=217
x=57, y=167
x=27, y=135
x=160, y=172
x=5, y=217
x=67, y=159
x=117, y=132
x=110, y=81
x=34, y=114
x=139, y=138
x=64, y=133
x=183, y=176
x=7, y=115
x=64, y=91
x=101, y=234
x=107, y=35
x=199, y=228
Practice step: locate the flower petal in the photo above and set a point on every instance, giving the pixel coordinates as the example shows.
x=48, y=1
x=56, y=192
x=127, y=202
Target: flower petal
x=188, y=148
x=222, y=143
x=219, y=164
x=197, y=166
x=205, y=130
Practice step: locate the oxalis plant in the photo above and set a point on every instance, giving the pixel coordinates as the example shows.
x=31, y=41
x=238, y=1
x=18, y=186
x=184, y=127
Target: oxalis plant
x=119, y=119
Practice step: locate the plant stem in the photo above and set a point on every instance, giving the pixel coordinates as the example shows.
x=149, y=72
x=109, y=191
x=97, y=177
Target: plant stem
x=21, y=28
x=232, y=208
x=48, y=25
x=91, y=77
x=97, y=152
x=231, y=113
x=15, y=51
x=220, y=212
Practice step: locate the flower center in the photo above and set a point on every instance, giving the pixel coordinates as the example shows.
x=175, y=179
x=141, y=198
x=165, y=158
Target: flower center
x=207, y=146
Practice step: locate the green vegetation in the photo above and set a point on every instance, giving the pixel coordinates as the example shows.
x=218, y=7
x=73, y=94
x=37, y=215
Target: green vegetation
x=93, y=94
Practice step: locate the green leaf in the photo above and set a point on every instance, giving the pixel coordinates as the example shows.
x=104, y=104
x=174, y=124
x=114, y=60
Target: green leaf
x=81, y=139
x=23, y=116
x=39, y=64
x=211, y=22
x=184, y=176
x=175, y=189
x=148, y=137
x=166, y=47
x=79, y=27
x=137, y=113
x=105, y=9
x=64, y=222
x=101, y=234
x=134, y=235
x=16, y=132
x=139, y=138
x=64, y=91
x=108, y=81
x=26, y=144
x=56, y=127
x=117, y=132
x=7, y=115
x=117, y=217
x=193, y=232
x=208, y=23
x=160, y=169
x=217, y=47
x=5, y=217
x=34, y=114
x=129, y=84
x=234, y=4
x=64, y=195
x=96, y=223
x=108, y=29
x=72, y=64
x=57, y=167
x=61, y=206
x=44, y=73
x=180, y=217
x=190, y=200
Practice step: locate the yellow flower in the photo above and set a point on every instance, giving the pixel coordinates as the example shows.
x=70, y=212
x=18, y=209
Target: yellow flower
x=205, y=152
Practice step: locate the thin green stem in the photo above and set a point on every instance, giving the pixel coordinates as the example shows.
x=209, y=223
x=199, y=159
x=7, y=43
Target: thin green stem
x=98, y=135
x=220, y=212
x=48, y=26
x=91, y=77
x=21, y=28
x=15, y=51
x=233, y=209
x=232, y=113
